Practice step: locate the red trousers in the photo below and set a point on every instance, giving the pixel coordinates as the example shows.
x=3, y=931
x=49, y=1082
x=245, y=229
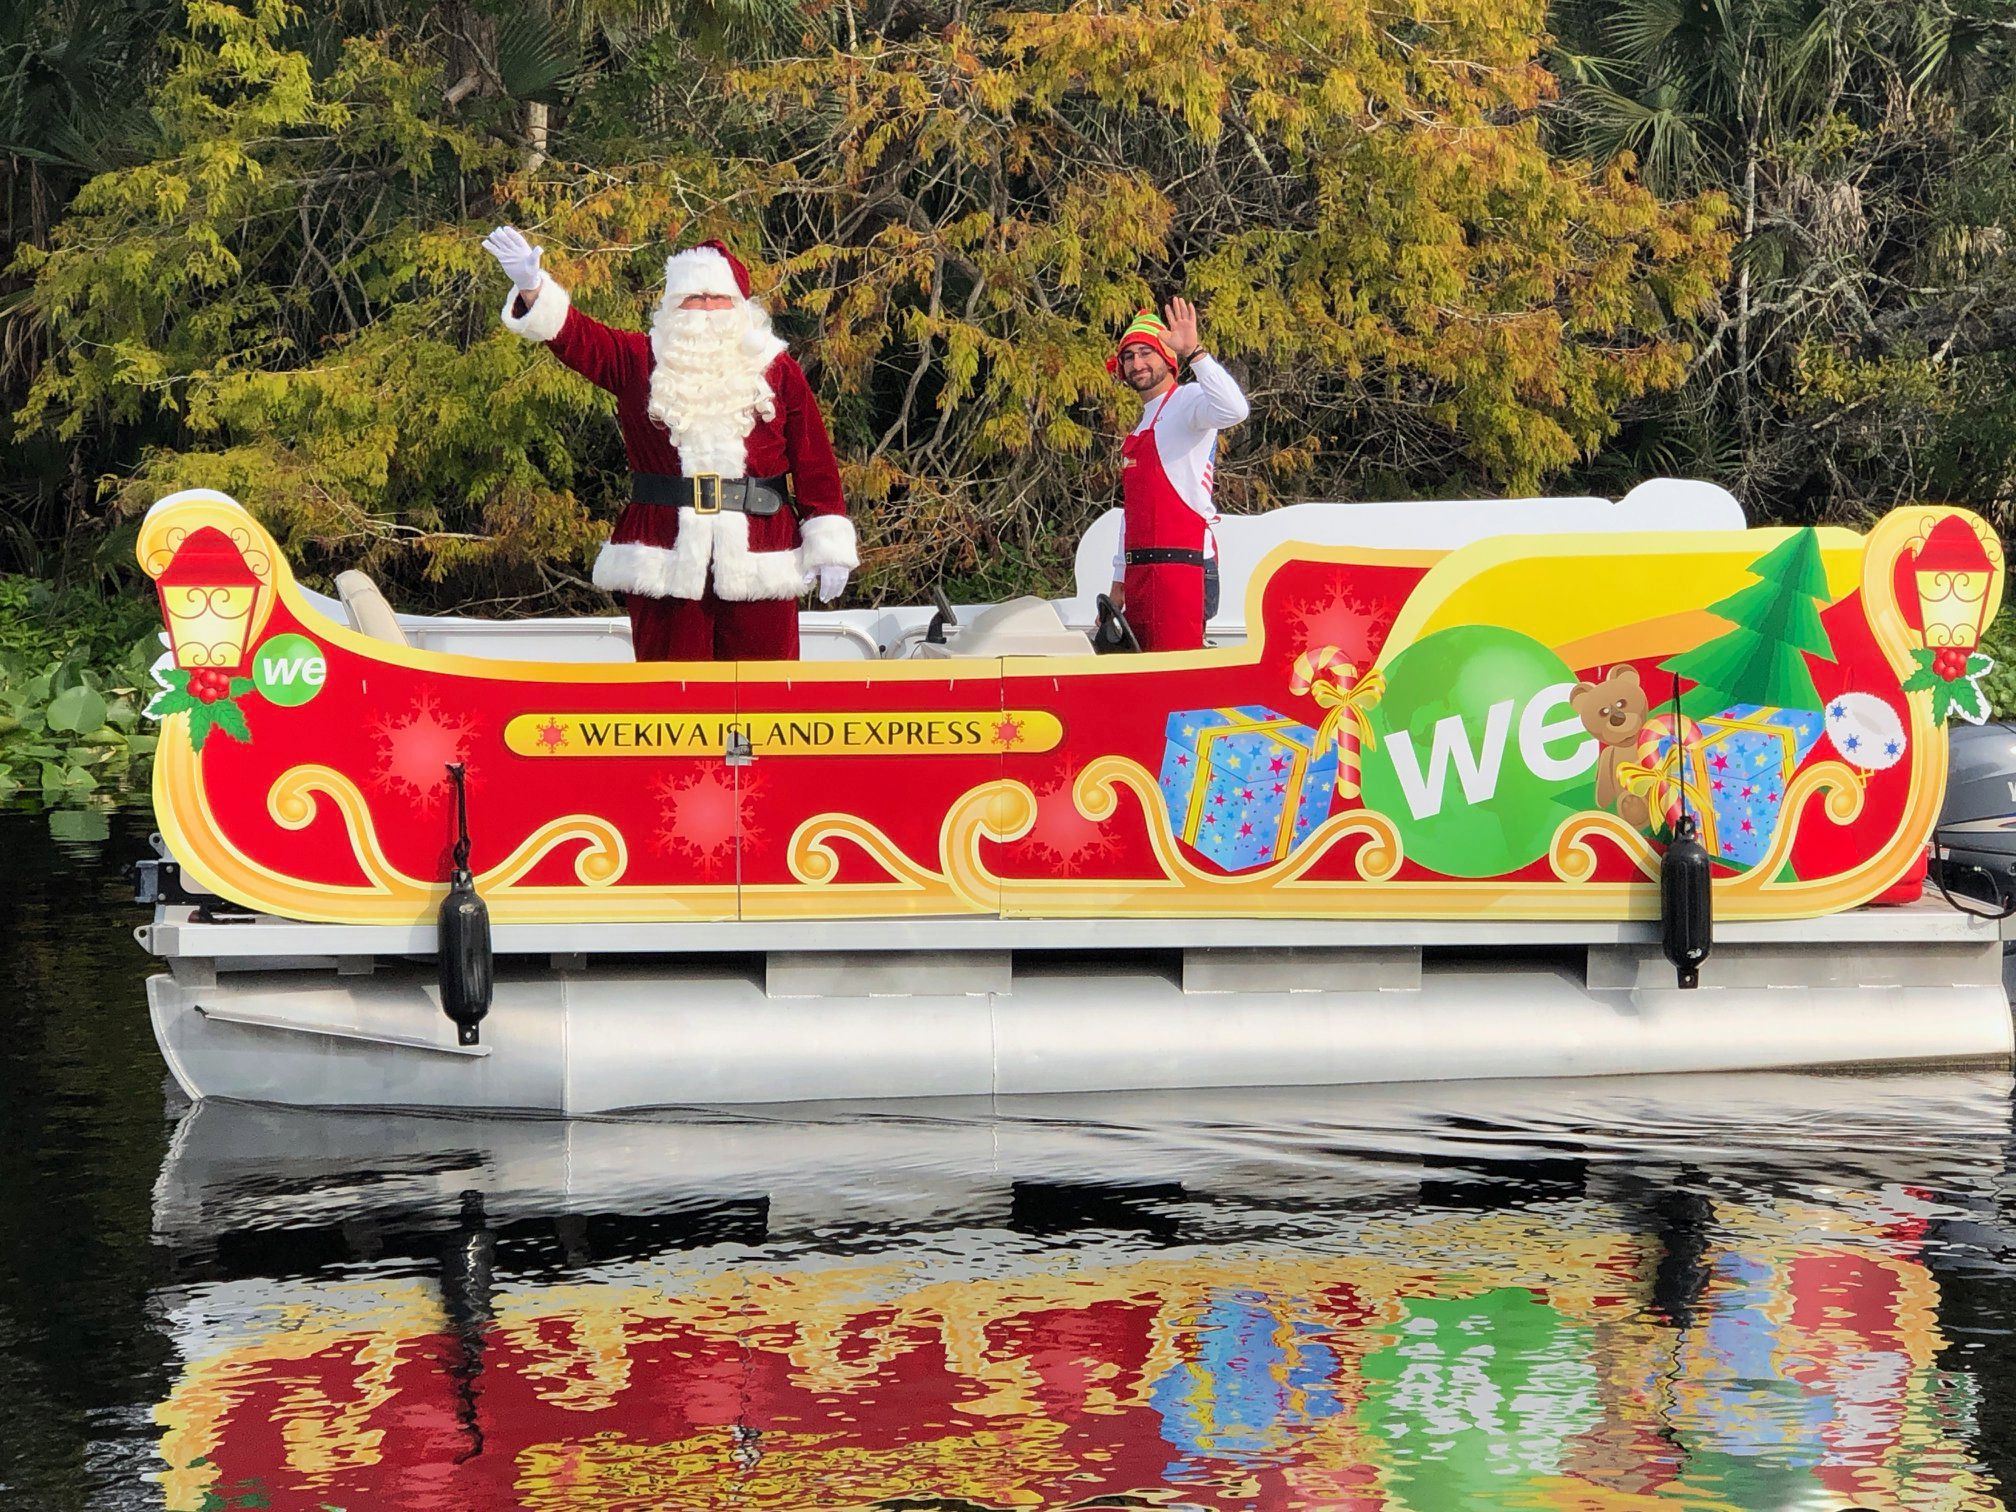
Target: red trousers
x=711, y=629
x=1165, y=605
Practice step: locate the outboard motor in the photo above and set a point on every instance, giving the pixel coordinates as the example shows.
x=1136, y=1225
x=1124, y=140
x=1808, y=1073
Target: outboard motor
x=1974, y=844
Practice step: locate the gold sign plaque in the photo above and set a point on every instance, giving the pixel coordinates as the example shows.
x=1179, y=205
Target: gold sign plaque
x=935, y=732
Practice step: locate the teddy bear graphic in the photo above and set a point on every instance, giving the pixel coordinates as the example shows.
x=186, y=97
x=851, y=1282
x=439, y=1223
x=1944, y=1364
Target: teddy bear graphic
x=1614, y=712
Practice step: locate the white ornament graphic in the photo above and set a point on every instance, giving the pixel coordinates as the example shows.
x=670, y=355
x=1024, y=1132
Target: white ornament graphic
x=1866, y=731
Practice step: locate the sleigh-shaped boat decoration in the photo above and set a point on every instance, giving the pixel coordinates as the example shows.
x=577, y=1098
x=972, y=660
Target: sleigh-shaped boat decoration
x=1508, y=729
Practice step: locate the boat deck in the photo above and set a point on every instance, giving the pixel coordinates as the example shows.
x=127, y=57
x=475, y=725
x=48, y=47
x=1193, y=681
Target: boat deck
x=177, y=932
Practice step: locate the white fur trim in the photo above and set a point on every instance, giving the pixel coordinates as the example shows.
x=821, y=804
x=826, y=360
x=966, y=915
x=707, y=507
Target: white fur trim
x=655, y=572
x=699, y=270
x=744, y=576
x=548, y=313
x=828, y=540
x=719, y=542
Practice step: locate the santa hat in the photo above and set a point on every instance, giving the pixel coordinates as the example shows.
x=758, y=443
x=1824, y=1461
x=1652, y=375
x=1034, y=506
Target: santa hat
x=1146, y=329
x=709, y=268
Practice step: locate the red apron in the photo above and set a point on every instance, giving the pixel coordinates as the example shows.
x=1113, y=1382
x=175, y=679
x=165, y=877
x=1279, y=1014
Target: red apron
x=1165, y=600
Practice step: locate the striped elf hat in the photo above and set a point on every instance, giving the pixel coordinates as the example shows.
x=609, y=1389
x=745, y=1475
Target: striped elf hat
x=1145, y=329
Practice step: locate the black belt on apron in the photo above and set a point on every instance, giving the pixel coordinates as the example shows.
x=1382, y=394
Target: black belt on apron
x=710, y=493
x=1164, y=556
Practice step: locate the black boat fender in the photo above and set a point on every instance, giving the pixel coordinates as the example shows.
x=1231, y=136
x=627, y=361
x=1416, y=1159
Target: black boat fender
x=1686, y=882
x=1686, y=903
x=468, y=966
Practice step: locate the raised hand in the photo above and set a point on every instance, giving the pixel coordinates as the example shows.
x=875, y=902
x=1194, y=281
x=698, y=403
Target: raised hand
x=1181, y=317
x=516, y=256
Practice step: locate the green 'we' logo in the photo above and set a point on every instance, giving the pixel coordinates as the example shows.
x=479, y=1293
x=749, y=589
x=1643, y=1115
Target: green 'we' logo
x=289, y=670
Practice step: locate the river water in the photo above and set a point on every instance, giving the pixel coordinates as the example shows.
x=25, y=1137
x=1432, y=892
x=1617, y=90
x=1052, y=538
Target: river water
x=1768, y=1291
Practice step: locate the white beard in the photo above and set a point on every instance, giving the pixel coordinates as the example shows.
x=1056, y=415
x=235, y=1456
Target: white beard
x=707, y=383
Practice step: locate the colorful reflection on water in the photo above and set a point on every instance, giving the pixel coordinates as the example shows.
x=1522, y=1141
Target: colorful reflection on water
x=1691, y=1293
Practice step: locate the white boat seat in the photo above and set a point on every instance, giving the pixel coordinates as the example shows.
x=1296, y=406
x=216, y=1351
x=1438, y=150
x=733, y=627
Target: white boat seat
x=367, y=610
x=1026, y=626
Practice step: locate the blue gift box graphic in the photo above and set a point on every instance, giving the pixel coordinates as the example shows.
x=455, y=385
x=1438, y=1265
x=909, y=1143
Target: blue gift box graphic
x=1245, y=786
x=1747, y=755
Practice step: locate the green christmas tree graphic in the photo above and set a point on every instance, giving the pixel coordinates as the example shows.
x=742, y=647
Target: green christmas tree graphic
x=1777, y=626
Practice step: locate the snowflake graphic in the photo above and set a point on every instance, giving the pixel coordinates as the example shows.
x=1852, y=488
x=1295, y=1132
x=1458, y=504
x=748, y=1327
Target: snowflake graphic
x=704, y=813
x=1348, y=620
x=415, y=748
x=1007, y=732
x=1062, y=838
x=552, y=734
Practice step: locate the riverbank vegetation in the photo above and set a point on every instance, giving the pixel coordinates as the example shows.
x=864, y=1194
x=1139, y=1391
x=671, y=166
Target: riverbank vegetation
x=1493, y=247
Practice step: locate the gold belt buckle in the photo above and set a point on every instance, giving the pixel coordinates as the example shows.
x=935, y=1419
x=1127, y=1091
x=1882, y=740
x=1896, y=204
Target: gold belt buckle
x=706, y=493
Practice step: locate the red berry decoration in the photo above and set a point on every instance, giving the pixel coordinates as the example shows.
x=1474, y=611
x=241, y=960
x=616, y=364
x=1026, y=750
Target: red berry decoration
x=1950, y=662
x=207, y=685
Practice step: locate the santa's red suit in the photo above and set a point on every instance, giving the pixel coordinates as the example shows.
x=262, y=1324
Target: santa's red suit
x=704, y=399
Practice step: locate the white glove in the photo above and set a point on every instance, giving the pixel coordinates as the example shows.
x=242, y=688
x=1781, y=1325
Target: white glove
x=516, y=256
x=830, y=581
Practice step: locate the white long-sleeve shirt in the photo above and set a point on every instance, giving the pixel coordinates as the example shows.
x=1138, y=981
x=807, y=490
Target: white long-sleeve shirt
x=1187, y=421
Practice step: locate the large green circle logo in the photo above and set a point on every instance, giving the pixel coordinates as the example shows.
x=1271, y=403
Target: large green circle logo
x=289, y=670
x=1480, y=755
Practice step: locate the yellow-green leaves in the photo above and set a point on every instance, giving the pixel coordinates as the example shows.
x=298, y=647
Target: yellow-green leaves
x=952, y=223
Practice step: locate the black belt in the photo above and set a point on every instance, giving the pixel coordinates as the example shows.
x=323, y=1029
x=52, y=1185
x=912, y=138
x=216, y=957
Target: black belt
x=709, y=493
x=1165, y=556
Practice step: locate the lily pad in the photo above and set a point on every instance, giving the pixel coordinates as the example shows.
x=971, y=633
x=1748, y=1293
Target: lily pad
x=76, y=710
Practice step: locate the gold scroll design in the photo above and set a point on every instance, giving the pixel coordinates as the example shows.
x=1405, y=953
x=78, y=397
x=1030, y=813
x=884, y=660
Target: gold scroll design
x=292, y=802
x=1005, y=811
x=1002, y=812
x=1572, y=855
x=814, y=859
x=388, y=894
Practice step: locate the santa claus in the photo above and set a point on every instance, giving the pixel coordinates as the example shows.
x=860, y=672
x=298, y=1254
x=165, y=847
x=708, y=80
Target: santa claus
x=735, y=495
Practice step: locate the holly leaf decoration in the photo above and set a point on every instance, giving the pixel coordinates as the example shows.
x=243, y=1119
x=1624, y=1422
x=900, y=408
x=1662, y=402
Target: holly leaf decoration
x=240, y=686
x=174, y=697
x=202, y=718
x=1965, y=698
x=225, y=715
x=1923, y=680
x=1962, y=696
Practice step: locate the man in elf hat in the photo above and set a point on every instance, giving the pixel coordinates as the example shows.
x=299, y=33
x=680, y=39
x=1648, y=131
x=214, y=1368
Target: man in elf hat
x=1165, y=476
x=735, y=494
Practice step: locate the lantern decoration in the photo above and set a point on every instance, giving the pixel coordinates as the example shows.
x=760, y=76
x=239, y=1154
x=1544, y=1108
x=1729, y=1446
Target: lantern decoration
x=1865, y=732
x=1953, y=572
x=209, y=598
x=1948, y=585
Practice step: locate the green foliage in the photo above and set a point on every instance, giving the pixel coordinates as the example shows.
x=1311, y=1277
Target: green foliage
x=1413, y=285
x=2000, y=683
x=1860, y=357
x=285, y=298
x=72, y=667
